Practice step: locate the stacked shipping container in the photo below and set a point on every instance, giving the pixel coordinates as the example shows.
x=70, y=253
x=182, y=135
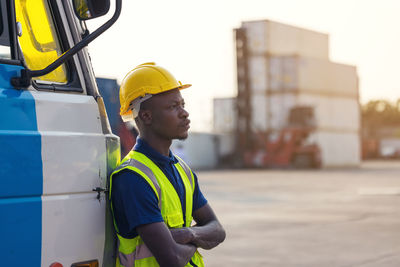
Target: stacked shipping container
x=287, y=67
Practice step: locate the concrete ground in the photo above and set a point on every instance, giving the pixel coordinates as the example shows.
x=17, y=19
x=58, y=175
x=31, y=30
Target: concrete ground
x=287, y=218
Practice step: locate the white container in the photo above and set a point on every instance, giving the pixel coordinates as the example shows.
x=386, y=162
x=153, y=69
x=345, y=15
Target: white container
x=280, y=106
x=289, y=73
x=325, y=77
x=389, y=147
x=224, y=115
x=225, y=144
x=333, y=113
x=258, y=73
x=259, y=112
x=199, y=150
x=339, y=149
x=283, y=73
x=273, y=38
x=271, y=112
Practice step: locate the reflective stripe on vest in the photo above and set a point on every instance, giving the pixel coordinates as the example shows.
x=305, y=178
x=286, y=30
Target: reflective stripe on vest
x=133, y=252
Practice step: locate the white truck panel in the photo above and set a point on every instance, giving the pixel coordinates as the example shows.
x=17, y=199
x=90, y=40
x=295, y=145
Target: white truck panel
x=74, y=163
x=63, y=112
x=73, y=228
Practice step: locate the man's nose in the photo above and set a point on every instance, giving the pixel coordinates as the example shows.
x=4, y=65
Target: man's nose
x=184, y=113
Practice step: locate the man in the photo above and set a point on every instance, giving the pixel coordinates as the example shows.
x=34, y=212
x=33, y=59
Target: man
x=154, y=194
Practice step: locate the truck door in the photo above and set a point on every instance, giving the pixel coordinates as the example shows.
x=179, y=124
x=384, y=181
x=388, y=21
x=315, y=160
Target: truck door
x=55, y=143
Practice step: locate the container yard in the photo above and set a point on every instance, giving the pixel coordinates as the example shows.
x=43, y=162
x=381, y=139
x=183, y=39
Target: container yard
x=280, y=70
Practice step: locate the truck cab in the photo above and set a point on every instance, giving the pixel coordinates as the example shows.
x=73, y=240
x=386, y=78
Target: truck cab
x=56, y=146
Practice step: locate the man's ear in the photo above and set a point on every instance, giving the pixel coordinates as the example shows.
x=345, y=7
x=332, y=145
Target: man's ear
x=145, y=116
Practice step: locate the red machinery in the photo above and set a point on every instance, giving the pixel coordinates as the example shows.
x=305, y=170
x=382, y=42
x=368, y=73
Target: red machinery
x=290, y=147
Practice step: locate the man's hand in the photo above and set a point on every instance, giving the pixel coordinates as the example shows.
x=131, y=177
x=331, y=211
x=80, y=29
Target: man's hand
x=175, y=247
x=183, y=235
x=207, y=234
x=160, y=242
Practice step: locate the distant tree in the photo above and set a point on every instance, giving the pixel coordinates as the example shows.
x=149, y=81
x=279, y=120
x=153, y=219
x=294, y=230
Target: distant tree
x=378, y=114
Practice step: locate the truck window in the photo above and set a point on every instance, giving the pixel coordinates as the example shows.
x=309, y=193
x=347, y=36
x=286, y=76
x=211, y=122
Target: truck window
x=39, y=42
x=5, y=51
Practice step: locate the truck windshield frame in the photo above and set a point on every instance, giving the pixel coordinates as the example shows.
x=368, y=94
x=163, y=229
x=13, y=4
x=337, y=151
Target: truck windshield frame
x=56, y=31
x=39, y=39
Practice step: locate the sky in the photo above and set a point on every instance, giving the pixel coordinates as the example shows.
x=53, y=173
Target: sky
x=195, y=41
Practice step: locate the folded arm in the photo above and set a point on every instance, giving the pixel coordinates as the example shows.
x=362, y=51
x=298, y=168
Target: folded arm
x=165, y=249
x=206, y=234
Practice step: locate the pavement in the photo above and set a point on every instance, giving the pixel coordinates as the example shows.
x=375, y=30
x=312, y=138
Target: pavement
x=313, y=218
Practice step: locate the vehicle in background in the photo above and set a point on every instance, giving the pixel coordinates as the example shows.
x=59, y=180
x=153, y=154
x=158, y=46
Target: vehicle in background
x=57, y=148
x=292, y=146
x=109, y=90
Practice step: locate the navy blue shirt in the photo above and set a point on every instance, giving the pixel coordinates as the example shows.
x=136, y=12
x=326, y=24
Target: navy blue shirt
x=134, y=201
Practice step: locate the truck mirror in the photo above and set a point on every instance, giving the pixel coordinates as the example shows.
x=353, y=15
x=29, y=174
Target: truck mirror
x=89, y=9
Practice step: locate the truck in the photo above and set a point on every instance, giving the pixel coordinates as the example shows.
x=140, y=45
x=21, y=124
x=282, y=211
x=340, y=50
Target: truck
x=293, y=146
x=57, y=148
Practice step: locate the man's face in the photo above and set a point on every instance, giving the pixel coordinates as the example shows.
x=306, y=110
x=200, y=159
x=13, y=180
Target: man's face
x=169, y=119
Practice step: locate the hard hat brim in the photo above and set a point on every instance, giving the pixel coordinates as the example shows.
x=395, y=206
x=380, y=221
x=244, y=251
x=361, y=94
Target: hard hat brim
x=183, y=86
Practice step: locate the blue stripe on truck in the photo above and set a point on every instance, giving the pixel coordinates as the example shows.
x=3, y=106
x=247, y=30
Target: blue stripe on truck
x=21, y=175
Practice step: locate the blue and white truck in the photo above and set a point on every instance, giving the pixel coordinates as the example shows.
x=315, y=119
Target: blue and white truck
x=56, y=146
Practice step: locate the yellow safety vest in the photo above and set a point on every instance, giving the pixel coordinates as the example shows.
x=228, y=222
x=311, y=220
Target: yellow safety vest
x=133, y=252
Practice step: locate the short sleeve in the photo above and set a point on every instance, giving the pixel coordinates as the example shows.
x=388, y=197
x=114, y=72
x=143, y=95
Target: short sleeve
x=134, y=203
x=198, y=198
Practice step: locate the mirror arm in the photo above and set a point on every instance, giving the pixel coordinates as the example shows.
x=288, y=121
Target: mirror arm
x=26, y=74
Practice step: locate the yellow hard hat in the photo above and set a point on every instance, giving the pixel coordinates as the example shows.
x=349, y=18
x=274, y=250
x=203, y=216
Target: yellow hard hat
x=140, y=83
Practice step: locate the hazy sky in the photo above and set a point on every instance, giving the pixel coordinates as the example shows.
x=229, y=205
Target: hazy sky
x=194, y=40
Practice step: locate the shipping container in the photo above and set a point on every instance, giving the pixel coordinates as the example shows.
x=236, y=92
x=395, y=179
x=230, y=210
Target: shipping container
x=109, y=90
x=283, y=73
x=271, y=112
x=258, y=74
x=389, y=148
x=325, y=77
x=199, y=150
x=224, y=115
x=280, y=105
x=277, y=74
x=226, y=150
x=281, y=67
x=272, y=38
x=333, y=113
x=259, y=112
x=339, y=149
